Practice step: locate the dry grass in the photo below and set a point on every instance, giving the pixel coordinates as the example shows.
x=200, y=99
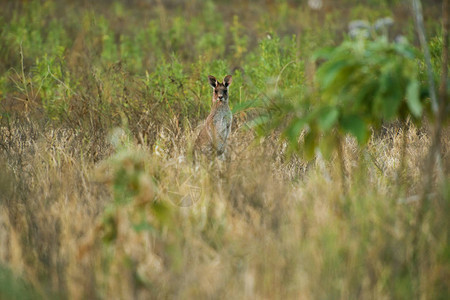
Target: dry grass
x=145, y=224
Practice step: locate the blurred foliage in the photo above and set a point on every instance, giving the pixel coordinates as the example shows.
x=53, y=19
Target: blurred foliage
x=13, y=287
x=363, y=82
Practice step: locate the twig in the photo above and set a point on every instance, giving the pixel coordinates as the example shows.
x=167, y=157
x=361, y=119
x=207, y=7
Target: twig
x=444, y=73
x=440, y=114
x=402, y=167
x=340, y=153
x=417, y=8
x=61, y=82
x=24, y=80
x=281, y=72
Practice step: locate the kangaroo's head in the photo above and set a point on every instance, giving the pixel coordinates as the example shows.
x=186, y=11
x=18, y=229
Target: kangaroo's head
x=220, y=89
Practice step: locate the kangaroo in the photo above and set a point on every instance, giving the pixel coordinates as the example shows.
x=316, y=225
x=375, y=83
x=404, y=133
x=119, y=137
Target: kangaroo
x=212, y=139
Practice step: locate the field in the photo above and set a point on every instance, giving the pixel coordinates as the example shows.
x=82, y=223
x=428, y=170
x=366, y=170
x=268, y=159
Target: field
x=101, y=196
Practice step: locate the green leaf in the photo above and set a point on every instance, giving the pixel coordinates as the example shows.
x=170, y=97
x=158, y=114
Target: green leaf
x=143, y=226
x=329, y=71
x=327, y=145
x=244, y=105
x=406, y=50
x=258, y=121
x=324, y=53
x=13, y=286
x=161, y=211
x=310, y=144
x=356, y=126
x=391, y=95
x=327, y=117
x=364, y=94
x=292, y=132
x=412, y=98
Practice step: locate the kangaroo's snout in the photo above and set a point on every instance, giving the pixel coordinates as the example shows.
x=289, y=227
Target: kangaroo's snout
x=220, y=93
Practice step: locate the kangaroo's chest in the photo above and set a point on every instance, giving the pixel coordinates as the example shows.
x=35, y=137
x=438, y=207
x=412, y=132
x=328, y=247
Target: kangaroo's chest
x=222, y=121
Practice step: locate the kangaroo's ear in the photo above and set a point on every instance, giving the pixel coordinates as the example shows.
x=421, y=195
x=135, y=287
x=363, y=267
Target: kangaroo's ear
x=212, y=81
x=227, y=80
